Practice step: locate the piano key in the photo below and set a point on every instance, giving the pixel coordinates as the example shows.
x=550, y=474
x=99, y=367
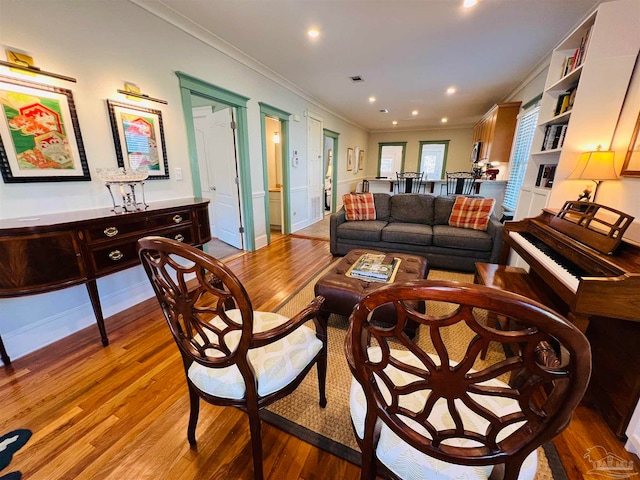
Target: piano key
x=557, y=265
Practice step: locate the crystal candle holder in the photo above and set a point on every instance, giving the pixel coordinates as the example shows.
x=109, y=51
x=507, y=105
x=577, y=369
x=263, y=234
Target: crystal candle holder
x=125, y=182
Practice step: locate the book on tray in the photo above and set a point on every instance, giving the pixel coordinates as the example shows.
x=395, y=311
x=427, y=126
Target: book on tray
x=371, y=266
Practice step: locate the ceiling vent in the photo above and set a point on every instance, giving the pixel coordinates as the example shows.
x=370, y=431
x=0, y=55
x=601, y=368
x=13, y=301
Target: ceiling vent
x=357, y=78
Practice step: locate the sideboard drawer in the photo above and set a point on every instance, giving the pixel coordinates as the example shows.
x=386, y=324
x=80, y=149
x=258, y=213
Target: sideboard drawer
x=116, y=256
x=117, y=227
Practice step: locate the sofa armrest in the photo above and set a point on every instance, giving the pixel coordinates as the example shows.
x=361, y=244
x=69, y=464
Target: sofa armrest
x=494, y=229
x=336, y=219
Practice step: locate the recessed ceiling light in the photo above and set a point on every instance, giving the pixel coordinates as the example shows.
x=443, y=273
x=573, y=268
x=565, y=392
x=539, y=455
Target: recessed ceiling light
x=451, y=90
x=395, y=122
x=444, y=120
x=415, y=112
x=313, y=33
x=372, y=99
x=469, y=3
x=384, y=110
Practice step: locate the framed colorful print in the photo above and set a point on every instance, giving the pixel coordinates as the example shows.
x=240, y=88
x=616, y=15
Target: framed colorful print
x=40, y=137
x=349, y=159
x=631, y=166
x=138, y=136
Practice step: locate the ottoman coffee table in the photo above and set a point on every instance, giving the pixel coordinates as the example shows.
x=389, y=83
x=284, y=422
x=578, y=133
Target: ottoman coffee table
x=342, y=293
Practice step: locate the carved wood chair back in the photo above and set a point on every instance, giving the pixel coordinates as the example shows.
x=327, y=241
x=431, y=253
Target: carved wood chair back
x=426, y=408
x=460, y=183
x=232, y=354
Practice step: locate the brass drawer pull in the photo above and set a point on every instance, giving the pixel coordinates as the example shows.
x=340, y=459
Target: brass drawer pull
x=177, y=218
x=179, y=238
x=116, y=255
x=111, y=231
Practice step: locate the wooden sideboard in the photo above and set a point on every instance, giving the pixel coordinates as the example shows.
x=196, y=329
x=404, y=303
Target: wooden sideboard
x=42, y=253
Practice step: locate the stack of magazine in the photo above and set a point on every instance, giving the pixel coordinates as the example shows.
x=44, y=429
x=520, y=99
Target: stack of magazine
x=370, y=267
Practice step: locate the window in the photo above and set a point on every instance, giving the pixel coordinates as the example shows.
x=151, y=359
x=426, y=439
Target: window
x=390, y=159
x=520, y=155
x=433, y=158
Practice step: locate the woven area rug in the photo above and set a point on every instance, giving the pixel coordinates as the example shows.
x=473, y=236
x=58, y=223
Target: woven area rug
x=330, y=428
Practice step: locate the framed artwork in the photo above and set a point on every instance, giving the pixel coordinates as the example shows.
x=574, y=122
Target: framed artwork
x=40, y=137
x=631, y=166
x=138, y=136
x=361, y=160
x=349, y=159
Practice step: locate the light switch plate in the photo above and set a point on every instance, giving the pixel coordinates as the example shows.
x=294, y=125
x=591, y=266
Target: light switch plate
x=178, y=174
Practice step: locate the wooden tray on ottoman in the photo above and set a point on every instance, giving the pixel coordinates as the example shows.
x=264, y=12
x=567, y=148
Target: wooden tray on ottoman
x=342, y=293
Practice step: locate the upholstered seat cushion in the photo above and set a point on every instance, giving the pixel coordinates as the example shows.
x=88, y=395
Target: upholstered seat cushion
x=462, y=238
x=369, y=231
x=412, y=233
x=407, y=462
x=275, y=365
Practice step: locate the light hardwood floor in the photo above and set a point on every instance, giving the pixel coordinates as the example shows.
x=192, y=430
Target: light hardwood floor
x=121, y=412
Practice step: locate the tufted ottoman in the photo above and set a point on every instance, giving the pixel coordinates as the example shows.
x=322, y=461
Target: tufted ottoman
x=342, y=293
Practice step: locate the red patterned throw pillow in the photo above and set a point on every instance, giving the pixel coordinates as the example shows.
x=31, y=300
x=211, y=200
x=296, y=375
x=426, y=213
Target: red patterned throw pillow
x=469, y=212
x=359, y=206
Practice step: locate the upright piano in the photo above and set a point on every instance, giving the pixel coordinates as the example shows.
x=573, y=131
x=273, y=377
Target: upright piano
x=583, y=267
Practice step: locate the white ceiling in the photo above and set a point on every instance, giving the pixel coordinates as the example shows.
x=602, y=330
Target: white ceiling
x=407, y=52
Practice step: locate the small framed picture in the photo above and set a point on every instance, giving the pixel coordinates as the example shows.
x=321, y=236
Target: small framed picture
x=40, y=137
x=349, y=159
x=361, y=160
x=631, y=166
x=138, y=136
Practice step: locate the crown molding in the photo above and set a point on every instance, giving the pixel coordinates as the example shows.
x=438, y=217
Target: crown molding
x=169, y=15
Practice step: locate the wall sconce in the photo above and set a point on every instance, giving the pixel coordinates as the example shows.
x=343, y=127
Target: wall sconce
x=23, y=62
x=276, y=137
x=596, y=166
x=133, y=93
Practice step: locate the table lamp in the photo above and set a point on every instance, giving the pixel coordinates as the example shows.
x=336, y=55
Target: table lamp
x=596, y=166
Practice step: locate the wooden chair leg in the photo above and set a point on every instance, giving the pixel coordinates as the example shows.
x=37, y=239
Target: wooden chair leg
x=256, y=439
x=194, y=403
x=322, y=363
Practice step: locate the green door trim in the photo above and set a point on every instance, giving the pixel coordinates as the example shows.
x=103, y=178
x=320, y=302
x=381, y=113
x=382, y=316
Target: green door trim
x=191, y=85
x=392, y=144
x=334, y=170
x=444, y=156
x=273, y=112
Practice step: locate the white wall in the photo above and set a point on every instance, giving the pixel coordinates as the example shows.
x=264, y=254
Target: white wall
x=104, y=44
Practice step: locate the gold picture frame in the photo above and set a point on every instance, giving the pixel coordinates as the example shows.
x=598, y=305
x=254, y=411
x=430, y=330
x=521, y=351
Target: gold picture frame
x=349, y=159
x=631, y=166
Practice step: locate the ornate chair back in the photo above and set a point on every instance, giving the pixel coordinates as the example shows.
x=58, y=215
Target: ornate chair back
x=409, y=182
x=460, y=183
x=418, y=404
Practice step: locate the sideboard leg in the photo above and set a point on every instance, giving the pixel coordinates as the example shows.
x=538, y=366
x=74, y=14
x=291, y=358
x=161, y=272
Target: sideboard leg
x=3, y=354
x=92, y=288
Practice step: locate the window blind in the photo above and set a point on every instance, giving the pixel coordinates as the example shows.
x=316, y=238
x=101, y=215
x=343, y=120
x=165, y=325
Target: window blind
x=520, y=156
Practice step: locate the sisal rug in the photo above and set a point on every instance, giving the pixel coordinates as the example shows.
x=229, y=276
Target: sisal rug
x=330, y=428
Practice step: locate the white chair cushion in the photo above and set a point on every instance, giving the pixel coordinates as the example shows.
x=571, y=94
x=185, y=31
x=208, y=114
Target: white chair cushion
x=275, y=365
x=407, y=462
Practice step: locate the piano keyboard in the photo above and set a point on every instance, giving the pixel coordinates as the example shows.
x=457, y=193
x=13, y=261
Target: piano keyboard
x=565, y=271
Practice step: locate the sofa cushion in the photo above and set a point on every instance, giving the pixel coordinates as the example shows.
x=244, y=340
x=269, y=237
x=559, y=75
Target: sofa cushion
x=359, y=206
x=471, y=212
x=383, y=206
x=367, y=230
x=412, y=208
x=412, y=233
x=442, y=209
x=465, y=238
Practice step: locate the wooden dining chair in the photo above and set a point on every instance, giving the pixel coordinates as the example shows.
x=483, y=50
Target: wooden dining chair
x=232, y=355
x=417, y=410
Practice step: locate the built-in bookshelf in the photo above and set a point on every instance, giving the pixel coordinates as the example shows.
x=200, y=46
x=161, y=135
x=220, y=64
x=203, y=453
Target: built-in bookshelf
x=587, y=79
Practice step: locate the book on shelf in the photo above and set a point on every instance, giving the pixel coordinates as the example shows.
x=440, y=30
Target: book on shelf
x=371, y=267
x=554, y=136
x=546, y=172
x=568, y=66
x=562, y=105
x=584, y=45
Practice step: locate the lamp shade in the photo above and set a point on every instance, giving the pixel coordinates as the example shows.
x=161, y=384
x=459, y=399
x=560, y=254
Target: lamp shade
x=595, y=165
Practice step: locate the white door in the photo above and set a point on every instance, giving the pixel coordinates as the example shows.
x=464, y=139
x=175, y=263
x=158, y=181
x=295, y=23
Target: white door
x=315, y=172
x=217, y=160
